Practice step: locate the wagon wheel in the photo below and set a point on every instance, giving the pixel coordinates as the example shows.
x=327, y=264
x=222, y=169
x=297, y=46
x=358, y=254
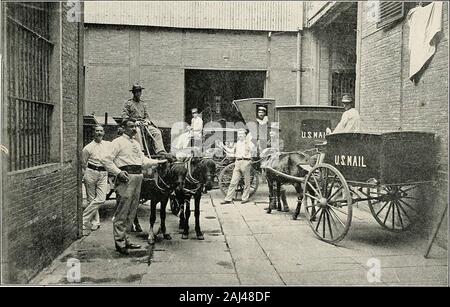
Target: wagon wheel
x=225, y=179
x=396, y=207
x=220, y=165
x=328, y=203
x=216, y=177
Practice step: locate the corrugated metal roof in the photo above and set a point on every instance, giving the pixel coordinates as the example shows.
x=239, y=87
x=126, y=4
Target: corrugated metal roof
x=229, y=15
x=312, y=8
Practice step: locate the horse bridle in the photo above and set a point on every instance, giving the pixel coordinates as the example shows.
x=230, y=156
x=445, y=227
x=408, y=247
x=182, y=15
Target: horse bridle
x=190, y=178
x=167, y=187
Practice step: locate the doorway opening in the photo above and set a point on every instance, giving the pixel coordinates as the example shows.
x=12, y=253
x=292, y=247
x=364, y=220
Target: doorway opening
x=213, y=91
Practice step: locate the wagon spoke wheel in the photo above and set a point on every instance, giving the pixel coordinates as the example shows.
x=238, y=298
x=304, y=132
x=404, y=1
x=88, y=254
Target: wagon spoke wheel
x=225, y=180
x=254, y=181
x=328, y=203
x=395, y=208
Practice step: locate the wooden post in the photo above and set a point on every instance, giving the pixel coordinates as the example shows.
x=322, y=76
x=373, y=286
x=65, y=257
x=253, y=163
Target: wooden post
x=80, y=138
x=435, y=232
x=4, y=269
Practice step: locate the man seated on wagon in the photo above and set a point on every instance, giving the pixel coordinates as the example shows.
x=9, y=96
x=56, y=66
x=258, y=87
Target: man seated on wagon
x=350, y=120
x=136, y=108
x=261, y=134
x=197, y=128
x=261, y=116
x=181, y=144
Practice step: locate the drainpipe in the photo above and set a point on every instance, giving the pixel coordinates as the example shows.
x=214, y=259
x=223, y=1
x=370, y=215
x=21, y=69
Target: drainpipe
x=267, y=80
x=299, y=67
x=358, y=57
x=61, y=106
x=81, y=102
x=4, y=269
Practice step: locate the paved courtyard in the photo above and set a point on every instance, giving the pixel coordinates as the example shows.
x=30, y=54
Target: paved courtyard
x=245, y=246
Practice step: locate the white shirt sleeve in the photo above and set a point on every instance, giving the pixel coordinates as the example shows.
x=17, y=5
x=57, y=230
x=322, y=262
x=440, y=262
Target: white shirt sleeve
x=197, y=124
x=108, y=159
x=105, y=150
x=148, y=162
x=350, y=122
x=252, y=148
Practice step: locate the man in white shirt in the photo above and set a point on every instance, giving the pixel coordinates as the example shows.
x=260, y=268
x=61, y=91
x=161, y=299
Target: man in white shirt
x=95, y=179
x=182, y=141
x=350, y=120
x=242, y=151
x=126, y=161
x=197, y=127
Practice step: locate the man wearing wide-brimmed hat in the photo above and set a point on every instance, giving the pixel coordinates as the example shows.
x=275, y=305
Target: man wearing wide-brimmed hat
x=350, y=120
x=136, y=108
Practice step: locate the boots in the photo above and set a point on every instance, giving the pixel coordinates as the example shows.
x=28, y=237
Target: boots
x=297, y=209
x=272, y=204
x=136, y=226
x=284, y=201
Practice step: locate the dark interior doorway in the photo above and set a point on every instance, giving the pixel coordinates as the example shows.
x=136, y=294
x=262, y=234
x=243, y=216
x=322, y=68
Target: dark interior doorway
x=213, y=91
x=338, y=34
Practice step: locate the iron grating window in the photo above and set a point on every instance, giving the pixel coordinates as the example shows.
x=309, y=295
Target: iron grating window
x=341, y=83
x=390, y=12
x=28, y=71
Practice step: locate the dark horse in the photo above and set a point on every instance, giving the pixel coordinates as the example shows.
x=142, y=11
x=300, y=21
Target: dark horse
x=166, y=180
x=199, y=178
x=285, y=168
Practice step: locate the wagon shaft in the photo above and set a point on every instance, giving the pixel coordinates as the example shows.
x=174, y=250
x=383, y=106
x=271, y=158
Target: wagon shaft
x=284, y=176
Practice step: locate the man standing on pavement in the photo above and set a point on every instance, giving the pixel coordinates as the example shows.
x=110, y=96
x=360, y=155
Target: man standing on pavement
x=95, y=179
x=242, y=151
x=126, y=161
x=136, y=108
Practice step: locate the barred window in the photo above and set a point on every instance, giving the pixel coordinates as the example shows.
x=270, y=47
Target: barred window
x=341, y=83
x=28, y=70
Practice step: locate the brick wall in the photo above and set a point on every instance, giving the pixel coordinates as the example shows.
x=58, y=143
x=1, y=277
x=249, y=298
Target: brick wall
x=41, y=216
x=390, y=101
x=71, y=132
x=307, y=67
x=283, y=60
x=161, y=56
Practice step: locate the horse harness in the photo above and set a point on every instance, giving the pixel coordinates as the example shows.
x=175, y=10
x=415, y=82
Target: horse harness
x=190, y=179
x=272, y=157
x=162, y=186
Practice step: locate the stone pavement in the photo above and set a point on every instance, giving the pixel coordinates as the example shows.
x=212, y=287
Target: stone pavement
x=245, y=246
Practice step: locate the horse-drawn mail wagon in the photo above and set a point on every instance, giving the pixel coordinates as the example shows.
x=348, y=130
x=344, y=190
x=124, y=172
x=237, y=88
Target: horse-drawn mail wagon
x=387, y=170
